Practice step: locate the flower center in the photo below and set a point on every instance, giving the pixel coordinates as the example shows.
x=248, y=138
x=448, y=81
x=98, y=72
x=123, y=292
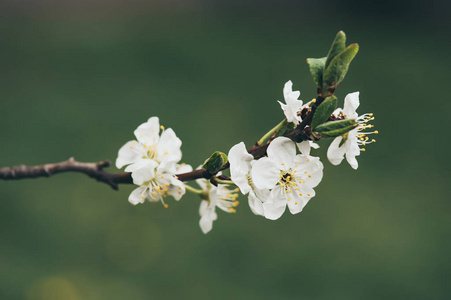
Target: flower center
x=287, y=179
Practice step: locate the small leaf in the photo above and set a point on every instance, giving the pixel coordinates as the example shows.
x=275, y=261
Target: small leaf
x=335, y=128
x=316, y=66
x=336, y=71
x=344, y=138
x=286, y=128
x=215, y=162
x=324, y=111
x=338, y=46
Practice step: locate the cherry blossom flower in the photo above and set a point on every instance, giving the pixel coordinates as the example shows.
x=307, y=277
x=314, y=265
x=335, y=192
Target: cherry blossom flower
x=293, y=105
x=149, y=145
x=290, y=177
x=221, y=197
x=349, y=144
x=240, y=171
x=155, y=181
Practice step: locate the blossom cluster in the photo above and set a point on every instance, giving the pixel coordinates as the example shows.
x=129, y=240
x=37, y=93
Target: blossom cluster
x=152, y=159
x=285, y=177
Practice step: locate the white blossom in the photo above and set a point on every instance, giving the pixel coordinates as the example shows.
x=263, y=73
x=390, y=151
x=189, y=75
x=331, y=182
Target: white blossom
x=155, y=181
x=349, y=144
x=290, y=177
x=220, y=197
x=240, y=172
x=293, y=105
x=149, y=145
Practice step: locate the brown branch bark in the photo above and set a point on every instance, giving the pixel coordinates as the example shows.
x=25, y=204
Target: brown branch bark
x=93, y=170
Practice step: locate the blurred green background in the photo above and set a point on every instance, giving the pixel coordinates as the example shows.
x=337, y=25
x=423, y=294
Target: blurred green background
x=77, y=77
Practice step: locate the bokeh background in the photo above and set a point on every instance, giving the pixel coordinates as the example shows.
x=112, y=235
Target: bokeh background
x=77, y=77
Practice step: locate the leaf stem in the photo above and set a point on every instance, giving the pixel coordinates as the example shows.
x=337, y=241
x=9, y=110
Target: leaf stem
x=271, y=132
x=193, y=190
x=224, y=181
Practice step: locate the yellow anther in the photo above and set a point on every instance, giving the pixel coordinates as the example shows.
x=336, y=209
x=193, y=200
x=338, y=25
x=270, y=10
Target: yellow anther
x=308, y=195
x=310, y=176
x=282, y=184
x=232, y=210
x=131, y=147
x=370, y=114
x=154, y=193
x=162, y=127
x=288, y=199
x=296, y=189
x=296, y=203
x=306, y=172
x=237, y=190
x=282, y=164
x=176, y=177
x=373, y=140
x=376, y=132
x=165, y=205
x=295, y=166
x=308, y=159
x=180, y=193
x=143, y=196
x=165, y=196
x=154, y=198
x=165, y=153
x=300, y=194
x=363, y=149
x=162, y=176
x=363, y=144
x=235, y=204
x=314, y=100
x=288, y=192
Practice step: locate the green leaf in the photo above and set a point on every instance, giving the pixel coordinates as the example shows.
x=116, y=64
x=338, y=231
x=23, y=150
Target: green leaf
x=324, y=111
x=215, y=162
x=338, y=46
x=316, y=66
x=335, y=128
x=286, y=128
x=336, y=71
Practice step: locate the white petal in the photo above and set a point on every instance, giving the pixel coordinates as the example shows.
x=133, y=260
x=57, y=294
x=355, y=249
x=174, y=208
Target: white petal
x=206, y=223
x=240, y=165
x=282, y=150
x=169, y=147
x=287, y=88
x=203, y=207
x=265, y=173
x=183, y=168
x=145, y=173
x=140, y=164
x=296, y=204
x=351, y=104
x=314, y=145
x=304, y=147
x=275, y=206
x=148, y=133
x=176, y=189
x=335, y=154
x=137, y=195
x=128, y=154
x=256, y=204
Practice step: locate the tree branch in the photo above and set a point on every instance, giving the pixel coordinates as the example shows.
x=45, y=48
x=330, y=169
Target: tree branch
x=95, y=169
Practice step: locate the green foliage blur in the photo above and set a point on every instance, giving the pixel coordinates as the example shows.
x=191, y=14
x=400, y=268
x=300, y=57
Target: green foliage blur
x=77, y=77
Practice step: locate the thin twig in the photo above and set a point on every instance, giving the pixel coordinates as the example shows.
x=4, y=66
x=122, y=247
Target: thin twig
x=95, y=169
